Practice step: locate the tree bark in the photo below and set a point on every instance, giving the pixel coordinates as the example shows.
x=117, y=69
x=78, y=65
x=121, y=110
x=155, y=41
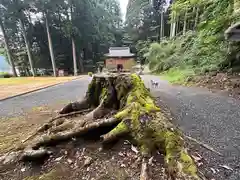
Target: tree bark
x=51, y=47
x=74, y=57
x=177, y=25
x=73, y=43
x=196, y=18
x=81, y=66
x=162, y=25
x=8, y=49
x=27, y=46
x=171, y=17
x=173, y=25
x=185, y=22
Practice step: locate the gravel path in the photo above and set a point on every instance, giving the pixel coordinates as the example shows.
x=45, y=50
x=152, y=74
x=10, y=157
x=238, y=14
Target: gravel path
x=69, y=91
x=210, y=118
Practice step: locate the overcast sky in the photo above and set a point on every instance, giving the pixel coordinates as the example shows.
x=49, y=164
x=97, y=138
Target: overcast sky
x=123, y=4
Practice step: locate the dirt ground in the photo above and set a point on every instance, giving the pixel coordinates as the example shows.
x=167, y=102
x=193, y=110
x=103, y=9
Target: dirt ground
x=14, y=86
x=80, y=159
x=223, y=83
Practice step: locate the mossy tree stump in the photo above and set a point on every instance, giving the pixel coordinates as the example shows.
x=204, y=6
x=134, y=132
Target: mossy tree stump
x=137, y=116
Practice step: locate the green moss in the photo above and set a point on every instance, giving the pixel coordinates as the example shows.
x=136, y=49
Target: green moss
x=152, y=130
x=141, y=95
x=138, y=103
x=123, y=114
x=122, y=128
x=175, y=153
x=103, y=94
x=188, y=164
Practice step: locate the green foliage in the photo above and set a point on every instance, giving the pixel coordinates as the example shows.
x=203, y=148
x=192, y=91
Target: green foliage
x=94, y=24
x=169, y=53
x=90, y=74
x=142, y=48
x=203, y=48
x=177, y=75
x=5, y=75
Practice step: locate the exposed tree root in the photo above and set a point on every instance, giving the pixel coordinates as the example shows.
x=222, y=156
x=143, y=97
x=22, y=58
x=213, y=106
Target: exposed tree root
x=75, y=132
x=144, y=169
x=31, y=155
x=74, y=107
x=137, y=116
x=117, y=132
x=49, y=124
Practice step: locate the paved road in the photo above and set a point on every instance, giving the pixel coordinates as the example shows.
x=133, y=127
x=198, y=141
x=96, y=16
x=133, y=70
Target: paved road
x=70, y=91
x=211, y=118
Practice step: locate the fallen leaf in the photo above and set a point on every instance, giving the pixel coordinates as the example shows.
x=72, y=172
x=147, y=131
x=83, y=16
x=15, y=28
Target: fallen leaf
x=69, y=161
x=88, y=169
x=120, y=154
x=196, y=158
x=150, y=161
x=134, y=149
x=58, y=159
x=123, y=165
x=199, y=164
x=213, y=170
x=88, y=161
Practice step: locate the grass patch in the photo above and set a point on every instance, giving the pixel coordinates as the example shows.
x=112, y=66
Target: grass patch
x=178, y=76
x=1, y=73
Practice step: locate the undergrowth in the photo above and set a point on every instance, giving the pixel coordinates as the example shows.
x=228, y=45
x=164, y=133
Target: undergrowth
x=180, y=76
x=199, y=51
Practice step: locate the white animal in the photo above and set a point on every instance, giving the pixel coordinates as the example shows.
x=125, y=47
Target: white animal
x=154, y=84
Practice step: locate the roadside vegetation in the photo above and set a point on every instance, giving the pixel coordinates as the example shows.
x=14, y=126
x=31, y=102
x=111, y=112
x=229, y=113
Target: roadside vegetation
x=186, y=39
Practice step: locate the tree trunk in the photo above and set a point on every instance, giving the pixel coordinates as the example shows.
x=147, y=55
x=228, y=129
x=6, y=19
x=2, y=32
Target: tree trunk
x=177, y=25
x=162, y=26
x=73, y=42
x=51, y=47
x=196, y=18
x=74, y=57
x=138, y=117
x=173, y=25
x=185, y=22
x=8, y=49
x=81, y=62
x=27, y=46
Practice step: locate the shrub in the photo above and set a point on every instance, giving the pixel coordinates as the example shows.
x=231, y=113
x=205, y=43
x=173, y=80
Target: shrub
x=90, y=74
x=5, y=75
x=191, y=51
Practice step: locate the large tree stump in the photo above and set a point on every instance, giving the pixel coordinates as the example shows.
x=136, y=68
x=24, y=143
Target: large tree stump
x=137, y=116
